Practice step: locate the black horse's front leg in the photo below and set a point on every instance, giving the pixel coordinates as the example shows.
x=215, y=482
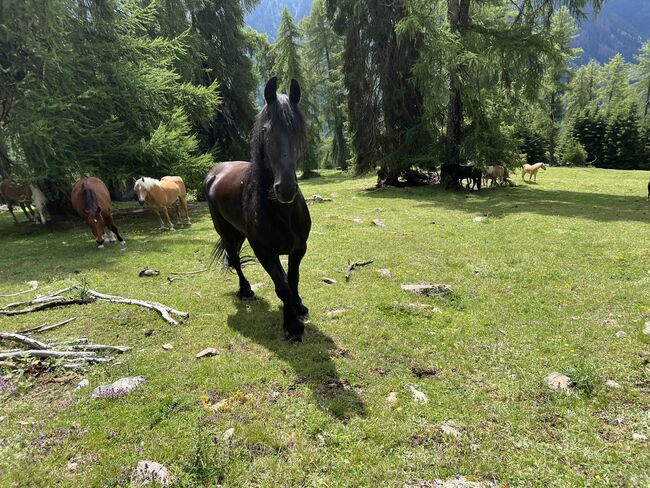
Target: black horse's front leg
x=294, y=278
x=292, y=325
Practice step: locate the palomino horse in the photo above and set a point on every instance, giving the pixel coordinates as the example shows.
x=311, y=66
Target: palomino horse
x=261, y=202
x=14, y=194
x=497, y=174
x=532, y=170
x=159, y=194
x=92, y=201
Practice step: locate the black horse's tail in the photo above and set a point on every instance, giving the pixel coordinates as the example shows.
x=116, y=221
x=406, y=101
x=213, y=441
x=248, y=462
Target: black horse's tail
x=219, y=254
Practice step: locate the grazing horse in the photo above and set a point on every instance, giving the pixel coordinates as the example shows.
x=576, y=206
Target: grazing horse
x=14, y=194
x=160, y=194
x=92, y=201
x=261, y=202
x=532, y=170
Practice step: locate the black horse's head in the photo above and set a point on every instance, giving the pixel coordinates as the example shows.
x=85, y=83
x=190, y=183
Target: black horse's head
x=279, y=138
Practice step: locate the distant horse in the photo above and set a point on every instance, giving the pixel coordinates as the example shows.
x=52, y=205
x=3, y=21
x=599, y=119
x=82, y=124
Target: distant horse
x=497, y=174
x=160, y=194
x=14, y=194
x=532, y=170
x=455, y=173
x=92, y=201
x=261, y=202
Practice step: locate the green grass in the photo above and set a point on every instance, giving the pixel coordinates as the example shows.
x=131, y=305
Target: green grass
x=534, y=285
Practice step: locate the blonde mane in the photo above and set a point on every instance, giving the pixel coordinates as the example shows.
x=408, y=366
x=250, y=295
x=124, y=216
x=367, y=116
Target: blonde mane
x=147, y=183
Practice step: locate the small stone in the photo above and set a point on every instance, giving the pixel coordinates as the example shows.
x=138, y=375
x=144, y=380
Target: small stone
x=198, y=294
x=149, y=272
x=639, y=437
x=167, y=347
x=392, y=400
x=320, y=439
x=336, y=312
x=121, y=387
x=385, y=273
x=620, y=334
x=559, y=382
x=209, y=351
x=328, y=281
x=149, y=332
x=82, y=384
x=151, y=472
x=428, y=289
x=457, y=482
x=646, y=329
x=425, y=307
x=72, y=466
x=378, y=223
x=474, y=447
x=257, y=286
x=418, y=396
x=612, y=384
x=228, y=434
x=379, y=209
x=450, y=428
x=358, y=220
x=479, y=219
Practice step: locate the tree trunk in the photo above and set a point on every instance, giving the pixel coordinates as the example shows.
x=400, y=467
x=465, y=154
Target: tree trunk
x=551, y=134
x=647, y=101
x=458, y=15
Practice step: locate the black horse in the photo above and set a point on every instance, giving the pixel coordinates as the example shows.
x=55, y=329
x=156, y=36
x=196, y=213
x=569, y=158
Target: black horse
x=454, y=173
x=261, y=202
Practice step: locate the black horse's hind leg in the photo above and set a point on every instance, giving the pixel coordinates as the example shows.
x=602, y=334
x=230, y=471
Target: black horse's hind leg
x=294, y=278
x=292, y=325
x=11, y=211
x=245, y=290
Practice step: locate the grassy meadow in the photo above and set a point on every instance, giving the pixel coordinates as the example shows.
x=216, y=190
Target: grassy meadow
x=543, y=283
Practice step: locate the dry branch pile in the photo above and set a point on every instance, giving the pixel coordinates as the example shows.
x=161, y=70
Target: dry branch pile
x=74, y=354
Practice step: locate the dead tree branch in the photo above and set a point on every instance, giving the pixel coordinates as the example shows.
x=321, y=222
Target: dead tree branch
x=356, y=264
x=22, y=339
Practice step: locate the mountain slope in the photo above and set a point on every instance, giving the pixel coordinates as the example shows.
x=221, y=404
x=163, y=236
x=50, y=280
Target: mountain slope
x=622, y=26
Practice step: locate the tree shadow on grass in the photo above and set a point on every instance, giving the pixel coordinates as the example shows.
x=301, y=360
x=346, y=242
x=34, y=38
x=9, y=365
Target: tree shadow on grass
x=311, y=360
x=498, y=202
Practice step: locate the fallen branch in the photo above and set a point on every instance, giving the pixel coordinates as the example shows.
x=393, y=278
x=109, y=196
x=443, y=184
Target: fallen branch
x=22, y=339
x=44, y=327
x=44, y=306
x=33, y=284
x=39, y=353
x=163, y=310
x=188, y=272
x=356, y=264
x=100, y=347
x=34, y=301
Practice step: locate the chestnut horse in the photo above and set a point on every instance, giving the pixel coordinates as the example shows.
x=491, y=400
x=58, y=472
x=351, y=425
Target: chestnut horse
x=92, y=201
x=532, y=170
x=14, y=194
x=159, y=194
x=261, y=202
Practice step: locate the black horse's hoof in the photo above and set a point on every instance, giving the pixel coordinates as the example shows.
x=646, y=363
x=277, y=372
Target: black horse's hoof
x=294, y=338
x=246, y=294
x=302, y=311
x=294, y=328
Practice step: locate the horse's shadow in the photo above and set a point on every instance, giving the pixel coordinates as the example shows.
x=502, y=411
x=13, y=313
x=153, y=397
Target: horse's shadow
x=311, y=360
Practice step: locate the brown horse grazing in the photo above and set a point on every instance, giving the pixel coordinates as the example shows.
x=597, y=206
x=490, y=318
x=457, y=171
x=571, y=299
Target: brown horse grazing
x=160, y=194
x=92, y=201
x=261, y=202
x=531, y=170
x=14, y=194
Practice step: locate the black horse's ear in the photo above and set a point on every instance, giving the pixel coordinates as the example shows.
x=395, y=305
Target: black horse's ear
x=294, y=91
x=271, y=90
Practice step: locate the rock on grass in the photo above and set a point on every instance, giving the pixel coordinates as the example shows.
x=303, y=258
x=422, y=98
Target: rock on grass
x=151, y=472
x=427, y=289
x=559, y=382
x=458, y=482
x=119, y=388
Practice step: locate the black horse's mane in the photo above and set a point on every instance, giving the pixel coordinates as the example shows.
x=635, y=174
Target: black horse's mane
x=280, y=112
x=90, y=199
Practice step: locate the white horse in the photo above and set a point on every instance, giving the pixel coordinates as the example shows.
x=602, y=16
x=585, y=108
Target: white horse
x=532, y=170
x=40, y=202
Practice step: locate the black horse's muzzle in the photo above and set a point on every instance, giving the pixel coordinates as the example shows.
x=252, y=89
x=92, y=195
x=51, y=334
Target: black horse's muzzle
x=286, y=193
